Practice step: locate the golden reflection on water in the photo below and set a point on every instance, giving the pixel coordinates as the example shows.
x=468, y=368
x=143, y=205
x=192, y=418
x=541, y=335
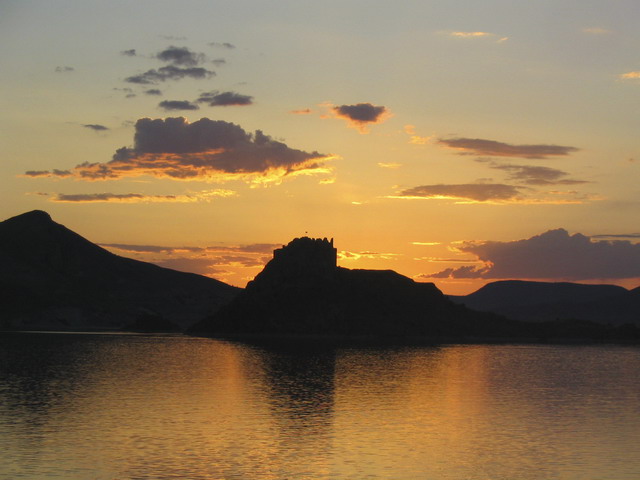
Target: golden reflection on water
x=131, y=407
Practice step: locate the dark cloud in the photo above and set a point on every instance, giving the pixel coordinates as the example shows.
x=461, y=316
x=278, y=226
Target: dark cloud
x=173, y=37
x=479, y=192
x=481, y=147
x=96, y=127
x=534, y=175
x=212, y=150
x=48, y=173
x=224, y=99
x=361, y=114
x=218, y=61
x=628, y=236
x=552, y=255
x=222, y=45
x=177, y=105
x=129, y=53
x=117, y=197
x=170, y=72
x=180, y=56
x=125, y=247
x=153, y=91
x=64, y=69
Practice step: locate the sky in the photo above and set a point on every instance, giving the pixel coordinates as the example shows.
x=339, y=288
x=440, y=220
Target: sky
x=456, y=142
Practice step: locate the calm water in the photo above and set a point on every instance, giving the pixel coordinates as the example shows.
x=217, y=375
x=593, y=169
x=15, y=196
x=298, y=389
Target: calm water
x=136, y=407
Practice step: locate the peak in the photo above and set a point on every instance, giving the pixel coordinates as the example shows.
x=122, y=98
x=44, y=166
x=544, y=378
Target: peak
x=33, y=216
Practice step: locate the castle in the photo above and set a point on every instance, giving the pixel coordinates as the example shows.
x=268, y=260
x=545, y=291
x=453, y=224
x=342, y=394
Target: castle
x=309, y=250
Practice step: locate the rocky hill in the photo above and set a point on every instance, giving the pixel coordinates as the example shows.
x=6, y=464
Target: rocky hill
x=54, y=279
x=301, y=291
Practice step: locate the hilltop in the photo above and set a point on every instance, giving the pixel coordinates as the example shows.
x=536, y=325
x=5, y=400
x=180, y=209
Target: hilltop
x=54, y=279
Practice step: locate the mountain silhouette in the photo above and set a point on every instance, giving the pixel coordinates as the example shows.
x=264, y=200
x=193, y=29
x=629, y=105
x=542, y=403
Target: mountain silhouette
x=54, y=279
x=546, y=301
x=302, y=291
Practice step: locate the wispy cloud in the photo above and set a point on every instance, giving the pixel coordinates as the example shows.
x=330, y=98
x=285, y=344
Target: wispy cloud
x=596, y=31
x=139, y=197
x=172, y=105
x=391, y=165
x=304, y=111
x=169, y=72
x=224, y=99
x=95, y=127
x=129, y=53
x=476, y=192
x=226, y=45
x=483, y=147
x=475, y=35
x=533, y=174
x=492, y=193
x=414, y=138
x=635, y=75
x=64, y=69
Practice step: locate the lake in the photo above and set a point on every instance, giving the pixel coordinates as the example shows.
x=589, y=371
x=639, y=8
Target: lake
x=100, y=406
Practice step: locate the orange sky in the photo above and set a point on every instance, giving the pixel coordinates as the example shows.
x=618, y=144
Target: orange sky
x=452, y=142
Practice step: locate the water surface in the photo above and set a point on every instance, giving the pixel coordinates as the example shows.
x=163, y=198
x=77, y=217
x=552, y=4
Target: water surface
x=75, y=406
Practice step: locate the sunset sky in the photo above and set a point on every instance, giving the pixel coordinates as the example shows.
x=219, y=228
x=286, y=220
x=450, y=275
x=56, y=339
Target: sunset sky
x=455, y=142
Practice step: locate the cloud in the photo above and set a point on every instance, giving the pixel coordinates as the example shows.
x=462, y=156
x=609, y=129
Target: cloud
x=169, y=72
x=391, y=165
x=362, y=114
x=95, y=127
x=628, y=236
x=482, y=147
x=201, y=266
x=304, y=111
x=596, y=31
x=416, y=139
x=222, y=45
x=205, y=150
x=48, y=173
x=180, y=56
x=138, y=197
x=129, y=53
x=630, y=75
x=253, y=248
x=241, y=259
x=470, y=35
x=153, y=91
x=535, y=175
x=476, y=192
x=64, y=69
x=177, y=105
x=224, y=99
x=552, y=255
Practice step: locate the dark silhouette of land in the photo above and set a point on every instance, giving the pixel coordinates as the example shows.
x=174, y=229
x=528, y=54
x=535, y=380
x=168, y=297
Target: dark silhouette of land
x=54, y=279
x=302, y=292
x=544, y=301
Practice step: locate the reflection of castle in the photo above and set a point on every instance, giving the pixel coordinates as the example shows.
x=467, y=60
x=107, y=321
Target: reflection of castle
x=315, y=253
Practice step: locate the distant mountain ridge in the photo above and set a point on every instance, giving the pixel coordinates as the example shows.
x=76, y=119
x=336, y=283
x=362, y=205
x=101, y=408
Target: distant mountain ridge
x=52, y=278
x=546, y=301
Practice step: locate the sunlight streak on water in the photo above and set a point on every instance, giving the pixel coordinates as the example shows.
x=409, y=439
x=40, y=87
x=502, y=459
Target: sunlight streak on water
x=146, y=407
